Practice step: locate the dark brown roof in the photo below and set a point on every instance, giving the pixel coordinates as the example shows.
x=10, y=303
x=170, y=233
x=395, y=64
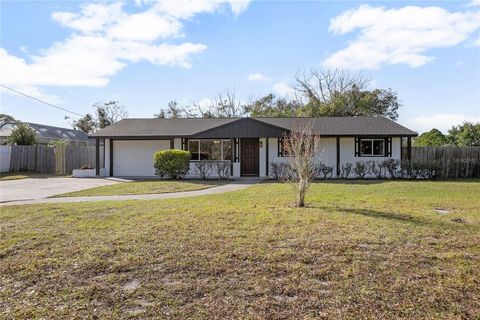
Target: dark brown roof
x=191, y=127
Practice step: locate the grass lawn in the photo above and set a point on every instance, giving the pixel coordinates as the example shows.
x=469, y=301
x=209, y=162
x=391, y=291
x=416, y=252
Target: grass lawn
x=360, y=250
x=146, y=187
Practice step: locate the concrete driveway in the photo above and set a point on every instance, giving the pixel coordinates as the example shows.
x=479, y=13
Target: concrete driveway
x=39, y=188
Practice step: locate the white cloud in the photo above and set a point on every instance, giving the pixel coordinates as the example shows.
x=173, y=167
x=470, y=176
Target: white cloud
x=256, y=77
x=474, y=3
x=442, y=122
x=106, y=39
x=283, y=90
x=92, y=18
x=146, y=26
x=398, y=36
x=185, y=9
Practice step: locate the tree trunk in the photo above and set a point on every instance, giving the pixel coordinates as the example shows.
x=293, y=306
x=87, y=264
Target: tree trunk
x=301, y=194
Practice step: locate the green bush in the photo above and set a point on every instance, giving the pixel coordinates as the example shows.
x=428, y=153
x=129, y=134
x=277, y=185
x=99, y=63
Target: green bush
x=22, y=135
x=172, y=163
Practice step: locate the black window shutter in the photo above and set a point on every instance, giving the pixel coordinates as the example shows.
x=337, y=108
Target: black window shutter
x=385, y=147
x=390, y=146
x=357, y=147
x=280, y=147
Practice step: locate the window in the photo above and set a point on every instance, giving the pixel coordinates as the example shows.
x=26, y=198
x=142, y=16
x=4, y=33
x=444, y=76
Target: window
x=193, y=148
x=372, y=147
x=210, y=149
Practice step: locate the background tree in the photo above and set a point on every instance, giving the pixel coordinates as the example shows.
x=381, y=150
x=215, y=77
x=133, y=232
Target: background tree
x=4, y=118
x=22, y=135
x=432, y=138
x=227, y=105
x=160, y=115
x=300, y=144
x=86, y=124
x=466, y=134
x=109, y=112
x=338, y=93
x=271, y=106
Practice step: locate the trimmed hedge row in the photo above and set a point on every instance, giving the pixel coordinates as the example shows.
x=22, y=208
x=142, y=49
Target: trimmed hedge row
x=386, y=169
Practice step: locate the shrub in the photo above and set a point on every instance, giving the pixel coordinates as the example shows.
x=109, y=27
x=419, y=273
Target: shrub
x=362, y=168
x=421, y=170
x=204, y=169
x=345, y=170
x=223, y=169
x=22, y=135
x=378, y=169
x=323, y=171
x=172, y=163
x=391, y=167
x=281, y=171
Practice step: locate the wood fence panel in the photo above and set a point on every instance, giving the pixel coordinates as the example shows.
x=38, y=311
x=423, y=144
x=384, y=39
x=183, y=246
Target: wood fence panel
x=23, y=158
x=455, y=162
x=59, y=160
x=76, y=157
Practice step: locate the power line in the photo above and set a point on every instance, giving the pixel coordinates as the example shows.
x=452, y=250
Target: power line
x=44, y=102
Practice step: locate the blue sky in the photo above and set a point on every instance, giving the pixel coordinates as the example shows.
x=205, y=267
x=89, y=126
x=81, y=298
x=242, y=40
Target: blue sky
x=146, y=53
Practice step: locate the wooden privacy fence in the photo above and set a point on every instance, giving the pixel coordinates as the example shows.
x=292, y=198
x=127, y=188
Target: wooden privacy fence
x=455, y=162
x=54, y=160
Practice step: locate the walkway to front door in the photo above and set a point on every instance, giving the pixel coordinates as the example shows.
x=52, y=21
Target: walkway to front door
x=249, y=157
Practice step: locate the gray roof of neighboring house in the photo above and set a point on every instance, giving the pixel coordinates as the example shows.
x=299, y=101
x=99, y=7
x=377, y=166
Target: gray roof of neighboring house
x=46, y=133
x=191, y=127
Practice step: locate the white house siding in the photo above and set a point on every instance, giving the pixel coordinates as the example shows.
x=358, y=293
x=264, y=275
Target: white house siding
x=262, y=157
x=134, y=158
x=327, y=152
x=177, y=143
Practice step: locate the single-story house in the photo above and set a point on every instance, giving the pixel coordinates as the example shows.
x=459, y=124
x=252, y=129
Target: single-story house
x=249, y=144
x=46, y=134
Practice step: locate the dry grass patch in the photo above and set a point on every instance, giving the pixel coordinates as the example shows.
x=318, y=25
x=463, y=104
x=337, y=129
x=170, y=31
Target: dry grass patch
x=360, y=250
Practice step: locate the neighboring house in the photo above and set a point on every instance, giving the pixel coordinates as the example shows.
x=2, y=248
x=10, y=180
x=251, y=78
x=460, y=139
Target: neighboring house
x=46, y=134
x=250, y=144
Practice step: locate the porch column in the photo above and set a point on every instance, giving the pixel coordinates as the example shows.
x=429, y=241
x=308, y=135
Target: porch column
x=111, y=157
x=97, y=156
x=409, y=148
x=401, y=149
x=266, y=158
x=338, y=157
x=232, y=155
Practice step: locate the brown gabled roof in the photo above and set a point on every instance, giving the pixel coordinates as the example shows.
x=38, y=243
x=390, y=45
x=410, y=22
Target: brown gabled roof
x=344, y=126
x=191, y=127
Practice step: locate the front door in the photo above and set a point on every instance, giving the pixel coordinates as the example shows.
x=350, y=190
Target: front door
x=249, y=157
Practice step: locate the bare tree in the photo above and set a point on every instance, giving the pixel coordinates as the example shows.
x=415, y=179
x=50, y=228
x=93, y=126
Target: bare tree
x=227, y=105
x=109, y=112
x=300, y=144
x=321, y=86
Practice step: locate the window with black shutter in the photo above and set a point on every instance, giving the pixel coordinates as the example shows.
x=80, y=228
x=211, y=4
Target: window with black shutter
x=373, y=147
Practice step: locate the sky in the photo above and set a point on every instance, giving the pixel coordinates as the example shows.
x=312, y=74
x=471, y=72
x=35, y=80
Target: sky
x=146, y=53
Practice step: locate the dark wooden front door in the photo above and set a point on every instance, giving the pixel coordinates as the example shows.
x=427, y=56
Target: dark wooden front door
x=249, y=157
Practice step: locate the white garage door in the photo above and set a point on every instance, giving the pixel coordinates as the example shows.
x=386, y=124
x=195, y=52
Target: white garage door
x=134, y=158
